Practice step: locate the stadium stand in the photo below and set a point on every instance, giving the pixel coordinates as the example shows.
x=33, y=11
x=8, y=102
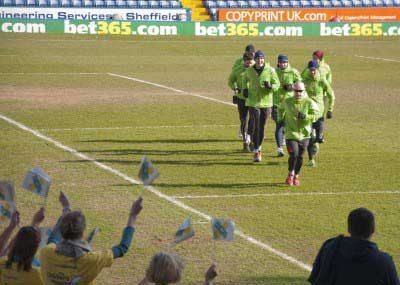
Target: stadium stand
x=157, y=4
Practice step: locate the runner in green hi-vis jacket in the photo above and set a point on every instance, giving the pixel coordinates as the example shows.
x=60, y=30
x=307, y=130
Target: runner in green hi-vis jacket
x=287, y=77
x=259, y=83
x=323, y=67
x=317, y=88
x=297, y=113
x=238, y=64
x=235, y=82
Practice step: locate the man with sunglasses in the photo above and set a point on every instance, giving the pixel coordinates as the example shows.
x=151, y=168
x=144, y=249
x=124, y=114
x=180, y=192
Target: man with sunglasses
x=317, y=88
x=297, y=113
x=259, y=83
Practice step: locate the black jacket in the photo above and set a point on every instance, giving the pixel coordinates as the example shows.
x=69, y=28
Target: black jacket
x=350, y=261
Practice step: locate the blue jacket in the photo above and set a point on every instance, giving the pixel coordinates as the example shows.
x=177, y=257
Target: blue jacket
x=351, y=261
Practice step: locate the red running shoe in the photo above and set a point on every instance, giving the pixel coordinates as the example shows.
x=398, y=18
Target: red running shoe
x=296, y=181
x=289, y=179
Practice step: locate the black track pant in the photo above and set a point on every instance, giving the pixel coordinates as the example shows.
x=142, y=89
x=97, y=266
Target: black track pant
x=296, y=150
x=260, y=117
x=246, y=123
x=279, y=128
x=318, y=128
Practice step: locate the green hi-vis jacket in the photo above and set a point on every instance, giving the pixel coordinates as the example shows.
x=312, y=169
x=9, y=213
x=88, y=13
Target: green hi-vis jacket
x=236, y=79
x=297, y=129
x=324, y=69
x=259, y=96
x=289, y=75
x=239, y=62
x=317, y=88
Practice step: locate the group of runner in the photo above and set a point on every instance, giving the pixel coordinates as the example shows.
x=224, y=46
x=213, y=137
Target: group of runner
x=295, y=101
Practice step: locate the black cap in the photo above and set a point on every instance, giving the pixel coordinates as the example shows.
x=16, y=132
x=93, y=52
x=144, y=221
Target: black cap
x=250, y=48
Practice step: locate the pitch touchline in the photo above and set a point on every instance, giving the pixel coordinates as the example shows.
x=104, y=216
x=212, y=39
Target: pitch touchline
x=378, y=58
x=286, y=194
x=170, y=88
x=155, y=191
x=138, y=127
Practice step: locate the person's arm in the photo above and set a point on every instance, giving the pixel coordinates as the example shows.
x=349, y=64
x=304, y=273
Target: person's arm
x=6, y=234
x=211, y=273
x=38, y=218
x=275, y=83
x=127, y=234
x=330, y=94
x=296, y=76
x=232, y=80
x=55, y=236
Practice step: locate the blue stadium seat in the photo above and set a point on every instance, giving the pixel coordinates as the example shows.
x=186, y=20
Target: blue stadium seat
x=132, y=4
x=222, y=4
x=388, y=3
x=176, y=4
x=337, y=3
x=305, y=3
x=19, y=3
x=295, y=4
x=76, y=3
x=315, y=3
x=274, y=4
x=44, y=3
x=143, y=4
x=377, y=3
x=165, y=4
x=347, y=3
x=243, y=4
x=357, y=3
x=211, y=4
x=30, y=3
x=65, y=3
x=367, y=3
x=284, y=4
x=99, y=3
x=88, y=3
x=396, y=3
x=254, y=4
x=7, y=3
x=110, y=4
x=232, y=4
x=325, y=3
x=154, y=4
x=121, y=3
x=264, y=4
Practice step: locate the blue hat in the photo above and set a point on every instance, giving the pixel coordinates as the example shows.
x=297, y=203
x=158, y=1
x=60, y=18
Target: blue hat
x=313, y=64
x=258, y=54
x=283, y=58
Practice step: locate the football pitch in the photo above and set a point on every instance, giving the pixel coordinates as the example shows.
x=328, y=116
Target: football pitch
x=87, y=109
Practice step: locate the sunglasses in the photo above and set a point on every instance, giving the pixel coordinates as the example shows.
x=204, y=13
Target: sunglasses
x=298, y=90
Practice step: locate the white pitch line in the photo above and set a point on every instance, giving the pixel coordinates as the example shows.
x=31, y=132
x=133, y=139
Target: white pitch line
x=156, y=192
x=53, y=73
x=136, y=127
x=378, y=58
x=170, y=88
x=287, y=194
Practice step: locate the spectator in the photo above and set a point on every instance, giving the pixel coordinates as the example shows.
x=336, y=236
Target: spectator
x=73, y=259
x=354, y=260
x=20, y=266
x=166, y=268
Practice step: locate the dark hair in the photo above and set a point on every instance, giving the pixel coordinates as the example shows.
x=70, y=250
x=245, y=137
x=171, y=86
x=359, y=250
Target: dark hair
x=248, y=56
x=24, y=247
x=250, y=48
x=361, y=223
x=73, y=225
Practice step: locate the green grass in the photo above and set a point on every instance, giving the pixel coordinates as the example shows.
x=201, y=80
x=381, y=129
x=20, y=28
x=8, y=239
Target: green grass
x=360, y=154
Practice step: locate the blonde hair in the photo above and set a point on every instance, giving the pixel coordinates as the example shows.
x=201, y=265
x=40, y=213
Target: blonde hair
x=165, y=268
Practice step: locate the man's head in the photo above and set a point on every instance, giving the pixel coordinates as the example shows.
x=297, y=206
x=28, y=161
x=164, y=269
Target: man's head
x=361, y=223
x=250, y=48
x=73, y=225
x=165, y=268
x=247, y=59
x=313, y=67
x=259, y=58
x=283, y=61
x=299, y=90
x=318, y=55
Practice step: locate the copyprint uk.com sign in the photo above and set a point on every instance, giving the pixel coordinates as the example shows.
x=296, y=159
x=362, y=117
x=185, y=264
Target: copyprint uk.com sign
x=201, y=29
x=95, y=14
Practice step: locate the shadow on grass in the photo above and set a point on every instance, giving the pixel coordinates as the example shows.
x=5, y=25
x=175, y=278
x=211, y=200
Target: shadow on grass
x=269, y=280
x=231, y=186
x=248, y=163
x=171, y=141
x=153, y=152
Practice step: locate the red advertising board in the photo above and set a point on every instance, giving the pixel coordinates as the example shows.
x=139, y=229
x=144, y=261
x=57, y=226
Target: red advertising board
x=391, y=14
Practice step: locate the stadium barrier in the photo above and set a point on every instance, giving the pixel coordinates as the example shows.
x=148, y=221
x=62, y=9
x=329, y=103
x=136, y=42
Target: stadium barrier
x=213, y=29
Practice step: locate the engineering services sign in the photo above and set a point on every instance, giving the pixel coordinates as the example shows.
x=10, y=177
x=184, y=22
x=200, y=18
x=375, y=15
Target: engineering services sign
x=390, y=14
x=95, y=14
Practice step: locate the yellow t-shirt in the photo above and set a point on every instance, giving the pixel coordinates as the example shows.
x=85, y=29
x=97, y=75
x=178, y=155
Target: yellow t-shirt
x=59, y=269
x=11, y=276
